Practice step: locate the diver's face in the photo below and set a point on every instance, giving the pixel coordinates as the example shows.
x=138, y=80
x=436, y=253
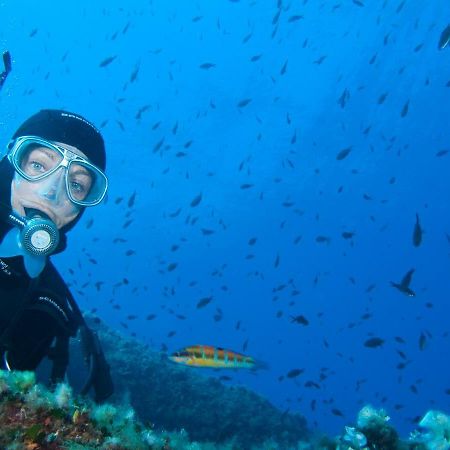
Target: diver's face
x=48, y=195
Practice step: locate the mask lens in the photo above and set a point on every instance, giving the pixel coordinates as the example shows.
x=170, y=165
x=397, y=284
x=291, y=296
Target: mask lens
x=86, y=184
x=36, y=160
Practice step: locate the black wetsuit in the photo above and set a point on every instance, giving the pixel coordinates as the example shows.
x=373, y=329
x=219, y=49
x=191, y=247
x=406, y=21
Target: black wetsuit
x=36, y=317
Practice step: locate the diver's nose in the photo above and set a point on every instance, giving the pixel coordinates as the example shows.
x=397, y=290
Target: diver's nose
x=54, y=188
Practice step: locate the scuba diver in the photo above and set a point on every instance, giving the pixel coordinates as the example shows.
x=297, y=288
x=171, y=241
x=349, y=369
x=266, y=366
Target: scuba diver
x=53, y=169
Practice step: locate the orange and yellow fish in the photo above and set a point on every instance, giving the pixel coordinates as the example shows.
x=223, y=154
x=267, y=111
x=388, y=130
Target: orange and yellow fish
x=214, y=358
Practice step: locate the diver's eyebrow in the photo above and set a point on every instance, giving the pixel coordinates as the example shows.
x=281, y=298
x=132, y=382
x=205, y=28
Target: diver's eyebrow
x=49, y=153
x=80, y=171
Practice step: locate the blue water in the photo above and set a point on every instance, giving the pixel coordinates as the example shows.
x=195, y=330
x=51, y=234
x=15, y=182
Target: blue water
x=284, y=144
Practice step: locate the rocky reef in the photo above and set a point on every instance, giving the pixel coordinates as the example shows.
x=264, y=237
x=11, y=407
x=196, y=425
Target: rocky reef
x=159, y=405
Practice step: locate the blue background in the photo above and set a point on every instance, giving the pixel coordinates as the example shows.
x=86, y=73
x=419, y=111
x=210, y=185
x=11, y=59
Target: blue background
x=284, y=143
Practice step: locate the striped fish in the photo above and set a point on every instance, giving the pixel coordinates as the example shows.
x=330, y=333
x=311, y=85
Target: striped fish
x=213, y=357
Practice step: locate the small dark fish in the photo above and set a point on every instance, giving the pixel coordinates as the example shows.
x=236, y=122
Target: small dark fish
x=422, y=341
x=175, y=213
x=335, y=411
x=405, y=109
x=225, y=378
x=294, y=373
x=107, y=61
x=323, y=239
x=196, y=200
x=134, y=74
x=218, y=315
x=441, y=153
x=400, y=7
x=295, y=18
x=382, y=98
x=207, y=231
x=255, y=58
x=444, y=40
x=158, y=145
x=283, y=69
x=374, y=342
x=247, y=38
x=244, y=102
x=312, y=384
x=171, y=267
x=277, y=261
x=302, y=320
x=403, y=286
x=207, y=65
x=358, y=2
x=131, y=200
x=246, y=186
x=344, y=98
x=150, y=317
x=203, y=302
x=142, y=110
x=417, y=233
x=343, y=153
x=125, y=28
x=347, y=234
x=320, y=60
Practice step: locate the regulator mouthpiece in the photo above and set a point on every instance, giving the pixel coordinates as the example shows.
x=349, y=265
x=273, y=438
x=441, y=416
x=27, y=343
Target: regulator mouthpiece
x=39, y=236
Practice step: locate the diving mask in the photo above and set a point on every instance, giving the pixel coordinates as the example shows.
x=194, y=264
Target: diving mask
x=35, y=158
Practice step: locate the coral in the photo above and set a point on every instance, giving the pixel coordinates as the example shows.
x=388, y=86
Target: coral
x=31, y=417
x=437, y=431
x=374, y=433
x=369, y=416
x=63, y=395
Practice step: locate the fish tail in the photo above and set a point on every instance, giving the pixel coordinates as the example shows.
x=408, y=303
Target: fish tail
x=260, y=365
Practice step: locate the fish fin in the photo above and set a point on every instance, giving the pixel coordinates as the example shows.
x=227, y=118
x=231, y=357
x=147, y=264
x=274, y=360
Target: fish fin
x=407, y=279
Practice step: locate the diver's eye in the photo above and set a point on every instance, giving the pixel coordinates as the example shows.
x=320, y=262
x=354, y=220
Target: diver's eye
x=77, y=187
x=38, y=167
